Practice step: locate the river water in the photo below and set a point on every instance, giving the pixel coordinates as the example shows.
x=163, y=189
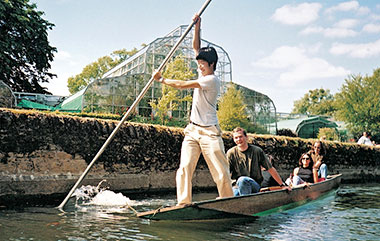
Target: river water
x=350, y=213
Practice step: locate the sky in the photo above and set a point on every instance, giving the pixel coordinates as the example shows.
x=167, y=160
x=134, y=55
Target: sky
x=279, y=48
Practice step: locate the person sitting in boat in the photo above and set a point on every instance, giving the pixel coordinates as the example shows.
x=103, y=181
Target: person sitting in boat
x=319, y=168
x=246, y=161
x=303, y=174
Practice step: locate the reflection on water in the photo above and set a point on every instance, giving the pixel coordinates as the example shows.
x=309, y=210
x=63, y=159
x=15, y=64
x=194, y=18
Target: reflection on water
x=349, y=214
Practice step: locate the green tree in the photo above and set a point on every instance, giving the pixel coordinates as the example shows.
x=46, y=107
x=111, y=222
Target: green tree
x=97, y=69
x=123, y=54
x=315, y=102
x=329, y=134
x=25, y=52
x=232, y=110
x=358, y=103
x=171, y=97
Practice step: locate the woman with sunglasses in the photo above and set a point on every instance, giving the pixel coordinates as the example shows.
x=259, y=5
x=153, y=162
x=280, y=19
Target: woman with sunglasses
x=303, y=174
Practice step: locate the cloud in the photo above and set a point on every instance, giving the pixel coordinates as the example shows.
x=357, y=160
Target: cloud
x=375, y=17
x=301, y=14
x=371, y=28
x=348, y=6
x=294, y=66
x=329, y=32
x=62, y=55
x=346, y=23
x=365, y=50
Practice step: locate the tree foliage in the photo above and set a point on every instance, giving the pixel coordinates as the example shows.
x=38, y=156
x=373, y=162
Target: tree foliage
x=171, y=97
x=315, y=102
x=358, y=103
x=97, y=69
x=232, y=110
x=329, y=134
x=25, y=52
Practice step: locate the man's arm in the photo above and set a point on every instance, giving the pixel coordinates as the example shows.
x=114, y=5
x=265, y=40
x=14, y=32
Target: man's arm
x=179, y=84
x=196, y=37
x=230, y=160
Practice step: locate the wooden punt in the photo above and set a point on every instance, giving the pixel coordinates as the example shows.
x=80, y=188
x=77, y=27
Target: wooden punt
x=248, y=206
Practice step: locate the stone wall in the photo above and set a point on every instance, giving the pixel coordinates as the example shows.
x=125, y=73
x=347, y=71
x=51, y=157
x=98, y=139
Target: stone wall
x=44, y=154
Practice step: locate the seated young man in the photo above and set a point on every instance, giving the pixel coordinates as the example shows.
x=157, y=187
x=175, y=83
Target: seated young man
x=246, y=161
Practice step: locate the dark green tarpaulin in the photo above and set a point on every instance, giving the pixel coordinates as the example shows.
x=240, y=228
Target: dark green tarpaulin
x=74, y=103
x=309, y=128
x=34, y=105
x=71, y=104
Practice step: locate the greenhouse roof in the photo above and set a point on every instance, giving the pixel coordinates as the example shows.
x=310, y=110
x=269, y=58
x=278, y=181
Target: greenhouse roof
x=306, y=127
x=309, y=127
x=290, y=124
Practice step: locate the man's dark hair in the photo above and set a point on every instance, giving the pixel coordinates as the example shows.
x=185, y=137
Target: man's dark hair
x=209, y=55
x=237, y=129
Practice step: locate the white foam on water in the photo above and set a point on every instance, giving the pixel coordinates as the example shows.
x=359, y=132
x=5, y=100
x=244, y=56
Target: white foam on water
x=100, y=196
x=109, y=198
x=101, y=200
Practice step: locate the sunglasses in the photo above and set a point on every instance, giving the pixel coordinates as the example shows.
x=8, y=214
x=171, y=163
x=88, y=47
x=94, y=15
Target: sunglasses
x=305, y=158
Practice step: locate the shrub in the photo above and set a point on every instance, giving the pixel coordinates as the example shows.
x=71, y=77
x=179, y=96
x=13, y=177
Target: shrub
x=286, y=132
x=329, y=133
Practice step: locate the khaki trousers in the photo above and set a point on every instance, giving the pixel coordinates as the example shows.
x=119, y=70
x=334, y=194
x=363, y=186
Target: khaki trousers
x=208, y=141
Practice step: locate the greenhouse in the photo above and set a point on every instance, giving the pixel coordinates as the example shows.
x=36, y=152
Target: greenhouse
x=7, y=98
x=120, y=86
x=307, y=126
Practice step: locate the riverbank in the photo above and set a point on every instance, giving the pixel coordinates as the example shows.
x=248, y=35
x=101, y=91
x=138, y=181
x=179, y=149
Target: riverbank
x=42, y=155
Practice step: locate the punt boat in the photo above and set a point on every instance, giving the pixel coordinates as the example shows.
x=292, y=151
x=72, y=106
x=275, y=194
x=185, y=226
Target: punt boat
x=268, y=200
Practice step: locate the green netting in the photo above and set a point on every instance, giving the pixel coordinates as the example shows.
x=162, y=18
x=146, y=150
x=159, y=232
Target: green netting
x=74, y=103
x=34, y=105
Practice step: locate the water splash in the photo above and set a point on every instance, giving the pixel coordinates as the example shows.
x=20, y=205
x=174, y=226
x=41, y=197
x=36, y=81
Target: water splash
x=109, y=198
x=101, y=196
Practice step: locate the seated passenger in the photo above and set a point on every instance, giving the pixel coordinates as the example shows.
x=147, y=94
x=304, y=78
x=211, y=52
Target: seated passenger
x=246, y=161
x=319, y=168
x=303, y=174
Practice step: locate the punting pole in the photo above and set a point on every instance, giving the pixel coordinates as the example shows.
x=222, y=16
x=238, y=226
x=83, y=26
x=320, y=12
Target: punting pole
x=132, y=108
